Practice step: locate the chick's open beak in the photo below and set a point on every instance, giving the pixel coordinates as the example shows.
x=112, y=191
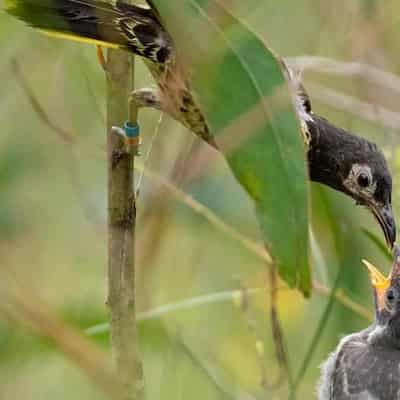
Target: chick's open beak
x=378, y=280
x=380, y=284
x=384, y=216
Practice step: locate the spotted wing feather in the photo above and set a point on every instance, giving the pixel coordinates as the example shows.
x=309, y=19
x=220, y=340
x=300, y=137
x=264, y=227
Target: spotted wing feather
x=122, y=25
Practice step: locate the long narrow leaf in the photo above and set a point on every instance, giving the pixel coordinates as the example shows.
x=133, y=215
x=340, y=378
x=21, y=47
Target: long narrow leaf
x=240, y=86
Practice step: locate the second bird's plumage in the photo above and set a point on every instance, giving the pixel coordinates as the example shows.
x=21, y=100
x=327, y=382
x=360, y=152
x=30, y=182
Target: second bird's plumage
x=336, y=158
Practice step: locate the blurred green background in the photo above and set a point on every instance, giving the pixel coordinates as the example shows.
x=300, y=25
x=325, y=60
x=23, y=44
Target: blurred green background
x=53, y=226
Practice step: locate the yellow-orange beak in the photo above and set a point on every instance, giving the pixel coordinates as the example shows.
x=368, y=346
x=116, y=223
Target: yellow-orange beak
x=379, y=282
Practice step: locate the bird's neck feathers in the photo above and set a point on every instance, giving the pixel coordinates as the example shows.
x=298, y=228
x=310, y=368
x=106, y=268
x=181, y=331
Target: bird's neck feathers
x=385, y=333
x=393, y=328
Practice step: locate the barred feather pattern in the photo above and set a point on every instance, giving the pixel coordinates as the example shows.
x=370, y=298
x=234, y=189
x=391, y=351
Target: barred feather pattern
x=132, y=28
x=136, y=29
x=144, y=36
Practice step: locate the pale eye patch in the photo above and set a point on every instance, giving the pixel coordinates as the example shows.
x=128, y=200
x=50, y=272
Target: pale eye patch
x=353, y=179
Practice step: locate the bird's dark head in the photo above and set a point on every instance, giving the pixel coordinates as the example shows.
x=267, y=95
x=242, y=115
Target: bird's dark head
x=354, y=166
x=387, y=296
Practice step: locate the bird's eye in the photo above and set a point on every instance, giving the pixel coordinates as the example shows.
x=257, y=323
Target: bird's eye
x=363, y=179
x=390, y=296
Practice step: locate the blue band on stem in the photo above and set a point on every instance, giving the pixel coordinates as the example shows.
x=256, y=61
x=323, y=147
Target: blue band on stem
x=131, y=131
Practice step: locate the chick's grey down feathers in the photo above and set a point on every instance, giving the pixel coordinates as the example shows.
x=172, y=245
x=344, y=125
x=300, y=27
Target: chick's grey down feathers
x=359, y=370
x=366, y=365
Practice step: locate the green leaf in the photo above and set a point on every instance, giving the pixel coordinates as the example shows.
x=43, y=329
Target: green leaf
x=378, y=243
x=241, y=89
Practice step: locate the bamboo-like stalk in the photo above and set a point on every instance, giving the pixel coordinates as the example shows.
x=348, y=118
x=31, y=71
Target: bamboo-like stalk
x=121, y=228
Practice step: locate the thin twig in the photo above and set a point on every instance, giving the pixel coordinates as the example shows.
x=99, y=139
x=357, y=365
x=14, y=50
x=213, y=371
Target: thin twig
x=328, y=308
x=243, y=302
x=370, y=112
x=277, y=331
x=121, y=227
x=230, y=295
x=148, y=152
x=361, y=109
x=22, y=305
x=201, y=365
x=318, y=334
x=63, y=134
x=369, y=73
x=345, y=301
x=225, y=390
x=121, y=223
x=209, y=215
x=254, y=247
x=187, y=304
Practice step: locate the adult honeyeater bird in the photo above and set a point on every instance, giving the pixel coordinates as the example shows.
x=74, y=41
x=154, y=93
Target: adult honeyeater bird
x=336, y=158
x=366, y=365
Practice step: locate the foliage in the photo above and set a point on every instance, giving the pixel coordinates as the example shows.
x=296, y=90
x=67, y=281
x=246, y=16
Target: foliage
x=253, y=119
x=181, y=255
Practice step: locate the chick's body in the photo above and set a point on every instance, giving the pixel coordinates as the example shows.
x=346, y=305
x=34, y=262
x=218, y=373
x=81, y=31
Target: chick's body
x=366, y=365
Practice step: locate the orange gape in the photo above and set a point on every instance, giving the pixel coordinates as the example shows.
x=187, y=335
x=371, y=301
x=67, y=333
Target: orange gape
x=379, y=282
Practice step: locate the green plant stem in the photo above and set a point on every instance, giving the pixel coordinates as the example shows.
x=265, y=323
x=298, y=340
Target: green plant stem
x=121, y=228
x=318, y=334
